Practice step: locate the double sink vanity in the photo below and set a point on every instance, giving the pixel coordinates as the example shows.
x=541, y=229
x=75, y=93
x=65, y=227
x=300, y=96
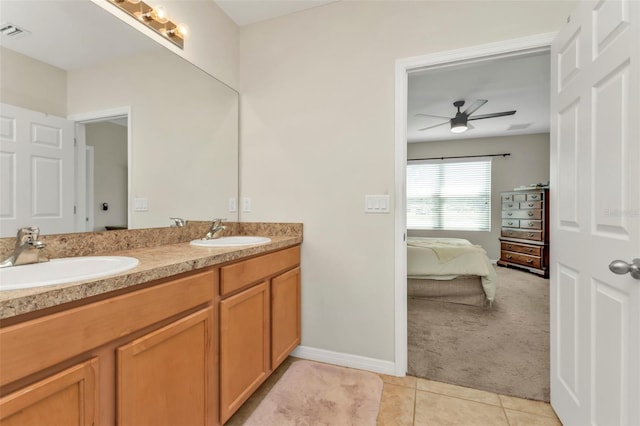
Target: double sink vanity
x=183, y=337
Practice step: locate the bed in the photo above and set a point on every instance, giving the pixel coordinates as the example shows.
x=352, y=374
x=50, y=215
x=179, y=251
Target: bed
x=449, y=270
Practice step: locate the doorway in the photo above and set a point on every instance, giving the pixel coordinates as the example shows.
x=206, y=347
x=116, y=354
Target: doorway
x=509, y=48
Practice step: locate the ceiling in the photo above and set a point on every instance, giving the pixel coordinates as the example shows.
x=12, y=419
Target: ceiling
x=520, y=84
x=70, y=34
x=245, y=12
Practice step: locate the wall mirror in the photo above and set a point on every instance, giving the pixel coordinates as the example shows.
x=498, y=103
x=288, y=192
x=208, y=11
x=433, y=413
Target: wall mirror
x=155, y=136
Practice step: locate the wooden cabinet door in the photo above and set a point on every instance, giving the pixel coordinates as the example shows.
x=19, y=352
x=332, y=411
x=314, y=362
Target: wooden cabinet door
x=244, y=346
x=167, y=377
x=66, y=398
x=285, y=315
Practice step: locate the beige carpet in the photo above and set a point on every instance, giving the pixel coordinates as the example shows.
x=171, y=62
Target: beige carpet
x=504, y=349
x=310, y=393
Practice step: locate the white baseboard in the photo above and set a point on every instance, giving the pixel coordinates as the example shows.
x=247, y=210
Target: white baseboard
x=345, y=360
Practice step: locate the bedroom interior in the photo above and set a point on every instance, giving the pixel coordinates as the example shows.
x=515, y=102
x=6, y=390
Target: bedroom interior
x=472, y=323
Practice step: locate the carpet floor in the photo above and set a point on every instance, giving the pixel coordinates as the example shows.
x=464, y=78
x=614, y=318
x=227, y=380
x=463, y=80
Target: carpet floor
x=311, y=393
x=503, y=349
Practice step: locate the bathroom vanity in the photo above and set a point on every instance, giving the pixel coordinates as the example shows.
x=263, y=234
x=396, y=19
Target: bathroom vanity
x=184, y=338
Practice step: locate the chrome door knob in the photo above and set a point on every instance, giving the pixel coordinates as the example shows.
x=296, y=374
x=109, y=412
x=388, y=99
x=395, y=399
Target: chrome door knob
x=621, y=267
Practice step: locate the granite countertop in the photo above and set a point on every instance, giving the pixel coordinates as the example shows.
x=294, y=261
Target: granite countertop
x=156, y=262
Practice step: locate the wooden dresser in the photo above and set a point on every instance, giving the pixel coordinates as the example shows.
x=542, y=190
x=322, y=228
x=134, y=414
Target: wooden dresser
x=524, y=241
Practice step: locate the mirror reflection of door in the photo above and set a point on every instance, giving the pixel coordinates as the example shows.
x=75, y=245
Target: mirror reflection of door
x=107, y=195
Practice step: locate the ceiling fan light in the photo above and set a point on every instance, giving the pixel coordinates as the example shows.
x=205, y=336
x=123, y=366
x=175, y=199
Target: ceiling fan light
x=459, y=127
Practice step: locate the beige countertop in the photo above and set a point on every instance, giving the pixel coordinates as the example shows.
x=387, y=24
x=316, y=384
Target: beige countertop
x=155, y=263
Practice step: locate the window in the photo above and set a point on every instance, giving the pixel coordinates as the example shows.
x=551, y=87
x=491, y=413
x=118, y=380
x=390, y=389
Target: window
x=449, y=195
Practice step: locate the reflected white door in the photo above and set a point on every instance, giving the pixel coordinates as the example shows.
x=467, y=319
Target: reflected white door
x=36, y=171
x=595, y=215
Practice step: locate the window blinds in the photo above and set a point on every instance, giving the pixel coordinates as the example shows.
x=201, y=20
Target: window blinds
x=449, y=195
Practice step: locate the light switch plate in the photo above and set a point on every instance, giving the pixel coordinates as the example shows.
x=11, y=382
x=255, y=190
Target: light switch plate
x=233, y=204
x=376, y=204
x=246, y=204
x=140, y=204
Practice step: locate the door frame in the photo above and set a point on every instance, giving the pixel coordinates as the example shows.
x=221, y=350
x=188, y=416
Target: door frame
x=485, y=52
x=92, y=117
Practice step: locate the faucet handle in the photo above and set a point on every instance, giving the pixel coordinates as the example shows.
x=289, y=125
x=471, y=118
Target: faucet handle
x=179, y=222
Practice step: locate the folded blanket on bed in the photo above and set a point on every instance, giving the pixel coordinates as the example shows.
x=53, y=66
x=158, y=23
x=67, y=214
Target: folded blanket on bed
x=445, y=249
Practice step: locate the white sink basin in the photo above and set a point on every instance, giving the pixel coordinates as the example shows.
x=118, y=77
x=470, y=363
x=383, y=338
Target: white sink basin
x=64, y=270
x=231, y=241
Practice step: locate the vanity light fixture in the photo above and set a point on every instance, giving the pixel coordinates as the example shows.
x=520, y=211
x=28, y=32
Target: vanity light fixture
x=154, y=18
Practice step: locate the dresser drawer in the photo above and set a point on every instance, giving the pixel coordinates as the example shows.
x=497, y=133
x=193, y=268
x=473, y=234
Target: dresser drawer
x=536, y=196
x=510, y=205
x=522, y=234
x=511, y=223
x=521, y=259
x=531, y=205
x=521, y=248
x=506, y=198
x=522, y=214
x=531, y=224
x=519, y=197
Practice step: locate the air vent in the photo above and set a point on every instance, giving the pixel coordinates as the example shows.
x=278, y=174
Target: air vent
x=13, y=31
x=519, y=126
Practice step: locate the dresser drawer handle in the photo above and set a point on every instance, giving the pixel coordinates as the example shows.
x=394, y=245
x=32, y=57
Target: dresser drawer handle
x=509, y=246
x=531, y=223
x=510, y=205
x=530, y=234
x=530, y=214
x=529, y=261
x=534, y=197
x=530, y=250
x=508, y=256
x=510, y=223
x=531, y=204
x=509, y=214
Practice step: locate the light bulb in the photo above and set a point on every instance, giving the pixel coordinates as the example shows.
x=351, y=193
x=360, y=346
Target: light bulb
x=459, y=128
x=160, y=14
x=182, y=30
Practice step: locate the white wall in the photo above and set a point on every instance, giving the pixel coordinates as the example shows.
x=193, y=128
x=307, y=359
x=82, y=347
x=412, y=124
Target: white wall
x=317, y=134
x=212, y=43
x=109, y=142
x=32, y=84
x=527, y=164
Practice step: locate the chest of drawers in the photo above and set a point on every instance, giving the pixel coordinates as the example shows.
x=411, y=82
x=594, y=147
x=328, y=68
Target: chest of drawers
x=524, y=234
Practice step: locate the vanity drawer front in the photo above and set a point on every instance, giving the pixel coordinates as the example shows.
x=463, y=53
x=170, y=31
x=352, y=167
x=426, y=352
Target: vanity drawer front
x=531, y=205
x=525, y=235
x=521, y=248
x=522, y=214
x=238, y=275
x=511, y=223
x=531, y=224
x=521, y=259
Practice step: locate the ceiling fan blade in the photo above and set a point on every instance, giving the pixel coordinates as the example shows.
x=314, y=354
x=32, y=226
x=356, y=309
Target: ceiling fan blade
x=492, y=115
x=474, y=106
x=431, y=127
x=431, y=115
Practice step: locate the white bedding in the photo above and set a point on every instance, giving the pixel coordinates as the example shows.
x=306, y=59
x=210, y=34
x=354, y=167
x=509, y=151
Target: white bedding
x=447, y=258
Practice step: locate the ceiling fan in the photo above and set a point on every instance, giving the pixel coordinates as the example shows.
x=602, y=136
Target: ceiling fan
x=460, y=123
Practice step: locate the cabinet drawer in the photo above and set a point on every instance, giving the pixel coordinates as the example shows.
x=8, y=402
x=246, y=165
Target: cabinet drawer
x=537, y=196
x=531, y=205
x=521, y=259
x=520, y=197
x=531, y=224
x=510, y=206
x=525, y=235
x=241, y=274
x=506, y=198
x=522, y=248
x=522, y=214
x=511, y=223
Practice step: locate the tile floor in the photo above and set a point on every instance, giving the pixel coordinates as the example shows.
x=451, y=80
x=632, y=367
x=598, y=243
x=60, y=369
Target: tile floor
x=414, y=401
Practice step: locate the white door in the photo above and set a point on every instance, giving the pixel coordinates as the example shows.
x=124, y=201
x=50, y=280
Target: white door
x=595, y=215
x=36, y=171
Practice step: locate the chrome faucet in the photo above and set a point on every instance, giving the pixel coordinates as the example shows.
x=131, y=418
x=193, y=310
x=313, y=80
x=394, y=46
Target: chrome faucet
x=216, y=227
x=178, y=222
x=27, y=250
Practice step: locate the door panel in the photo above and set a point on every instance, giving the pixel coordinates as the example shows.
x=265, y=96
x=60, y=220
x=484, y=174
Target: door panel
x=37, y=159
x=595, y=152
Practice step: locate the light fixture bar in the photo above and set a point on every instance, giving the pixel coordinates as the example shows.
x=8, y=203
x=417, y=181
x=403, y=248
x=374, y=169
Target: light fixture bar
x=144, y=13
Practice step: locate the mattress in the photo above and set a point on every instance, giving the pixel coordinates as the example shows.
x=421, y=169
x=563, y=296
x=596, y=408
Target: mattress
x=447, y=258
